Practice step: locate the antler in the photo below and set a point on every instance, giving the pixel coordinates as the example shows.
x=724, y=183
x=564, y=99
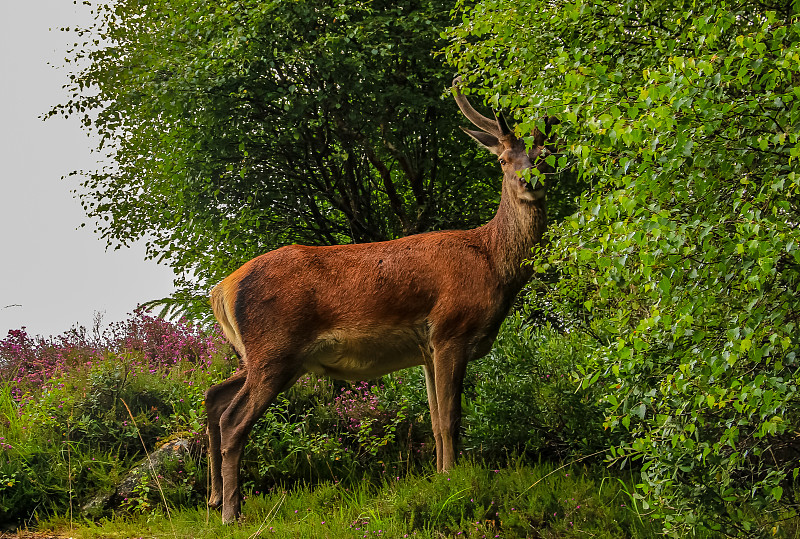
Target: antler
x=497, y=127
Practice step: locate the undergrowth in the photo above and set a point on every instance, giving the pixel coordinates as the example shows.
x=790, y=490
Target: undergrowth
x=473, y=500
x=79, y=411
x=333, y=459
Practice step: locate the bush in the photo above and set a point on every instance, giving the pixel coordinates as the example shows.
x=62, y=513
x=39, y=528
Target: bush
x=685, y=251
x=525, y=397
x=323, y=429
x=78, y=411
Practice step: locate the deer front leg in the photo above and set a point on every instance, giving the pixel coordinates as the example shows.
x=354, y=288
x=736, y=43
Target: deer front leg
x=449, y=368
x=430, y=386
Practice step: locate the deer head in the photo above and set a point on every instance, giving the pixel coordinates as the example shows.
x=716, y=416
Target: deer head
x=514, y=157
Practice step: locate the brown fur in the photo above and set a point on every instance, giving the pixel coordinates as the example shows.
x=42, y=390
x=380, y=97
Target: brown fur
x=361, y=311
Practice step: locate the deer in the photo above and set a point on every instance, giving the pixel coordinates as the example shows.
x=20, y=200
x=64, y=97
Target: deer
x=359, y=311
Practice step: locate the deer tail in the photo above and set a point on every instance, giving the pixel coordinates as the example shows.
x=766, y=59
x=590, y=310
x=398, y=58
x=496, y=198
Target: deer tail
x=222, y=303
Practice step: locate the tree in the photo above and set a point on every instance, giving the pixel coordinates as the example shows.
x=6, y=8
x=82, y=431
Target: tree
x=683, y=259
x=233, y=128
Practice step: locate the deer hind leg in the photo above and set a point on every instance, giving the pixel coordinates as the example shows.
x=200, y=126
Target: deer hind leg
x=218, y=398
x=262, y=385
x=450, y=363
x=430, y=386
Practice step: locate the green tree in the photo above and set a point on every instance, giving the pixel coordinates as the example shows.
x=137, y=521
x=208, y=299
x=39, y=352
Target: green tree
x=683, y=259
x=234, y=127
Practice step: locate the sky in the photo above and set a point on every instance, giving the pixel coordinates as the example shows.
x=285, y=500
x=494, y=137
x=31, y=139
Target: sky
x=53, y=273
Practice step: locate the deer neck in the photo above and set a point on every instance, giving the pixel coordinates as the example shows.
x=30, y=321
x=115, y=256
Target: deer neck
x=515, y=229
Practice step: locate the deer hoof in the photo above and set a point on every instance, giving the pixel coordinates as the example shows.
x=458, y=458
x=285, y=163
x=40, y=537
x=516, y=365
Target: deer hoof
x=230, y=517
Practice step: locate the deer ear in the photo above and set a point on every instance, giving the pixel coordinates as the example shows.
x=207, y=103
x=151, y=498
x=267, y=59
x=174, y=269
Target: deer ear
x=549, y=123
x=488, y=141
x=540, y=138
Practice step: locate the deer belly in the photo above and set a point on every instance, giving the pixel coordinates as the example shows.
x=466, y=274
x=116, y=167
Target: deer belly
x=356, y=354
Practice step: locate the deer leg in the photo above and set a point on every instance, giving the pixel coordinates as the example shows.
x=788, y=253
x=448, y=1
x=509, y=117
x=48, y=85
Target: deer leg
x=449, y=368
x=257, y=393
x=218, y=398
x=430, y=386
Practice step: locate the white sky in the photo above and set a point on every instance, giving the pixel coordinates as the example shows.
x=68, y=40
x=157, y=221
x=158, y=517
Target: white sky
x=60, y=274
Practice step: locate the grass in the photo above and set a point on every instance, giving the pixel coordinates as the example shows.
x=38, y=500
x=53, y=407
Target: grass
x=472, y=500
x=328, y=459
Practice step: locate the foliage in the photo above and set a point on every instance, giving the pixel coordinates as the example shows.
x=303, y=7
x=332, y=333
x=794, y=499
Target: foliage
x=683, y=260
x=33, y=363
x=234, y=127
x=66, y=428
x=525, y=397
x=472, y=501
x=322, y=430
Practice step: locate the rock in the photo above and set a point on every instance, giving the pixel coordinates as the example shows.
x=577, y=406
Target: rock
x=150, y=467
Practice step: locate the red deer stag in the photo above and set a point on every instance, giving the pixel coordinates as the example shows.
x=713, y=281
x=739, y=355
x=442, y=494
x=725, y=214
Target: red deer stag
x=363, y=310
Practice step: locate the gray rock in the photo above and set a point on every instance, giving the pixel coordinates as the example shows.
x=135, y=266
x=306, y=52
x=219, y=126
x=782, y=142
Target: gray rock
x=126, y=489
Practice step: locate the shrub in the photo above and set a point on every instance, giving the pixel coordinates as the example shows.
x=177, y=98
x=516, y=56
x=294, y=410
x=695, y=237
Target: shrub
x=324, y=429
x=525, y=397
x=75, y=411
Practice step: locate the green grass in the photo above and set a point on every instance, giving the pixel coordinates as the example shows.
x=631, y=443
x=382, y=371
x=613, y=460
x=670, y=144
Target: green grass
x=328, y=459
x=471, y=501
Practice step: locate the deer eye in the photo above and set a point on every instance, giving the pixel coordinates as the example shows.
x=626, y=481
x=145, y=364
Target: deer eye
x=502, y=162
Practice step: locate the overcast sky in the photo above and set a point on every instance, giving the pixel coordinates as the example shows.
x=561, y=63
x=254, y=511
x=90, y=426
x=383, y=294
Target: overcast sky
x=53, y=274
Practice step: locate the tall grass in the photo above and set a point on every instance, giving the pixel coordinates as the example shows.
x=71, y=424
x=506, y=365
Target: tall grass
x=66, y=435
x=471, y=501
x=356, y=456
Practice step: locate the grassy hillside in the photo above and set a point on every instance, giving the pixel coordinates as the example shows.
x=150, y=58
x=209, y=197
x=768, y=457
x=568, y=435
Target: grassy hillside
x=472, y=501
x=329, y=458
